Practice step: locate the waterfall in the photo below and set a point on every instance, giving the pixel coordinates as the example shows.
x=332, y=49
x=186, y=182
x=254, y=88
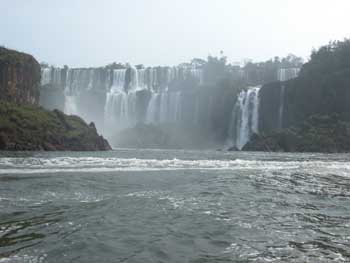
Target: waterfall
x=70, y=98
x=163, y=111
x=198, y=74
x=134, y=80
x=120, y=106
x=285, y=74
x=142, y=79
x=164, y=107
x=174, y=106
x=152, y=109
x=281, y=109
x=91, y=74
x=118, y=84
x=123, y=107
x=245, y=117
x=45, y=76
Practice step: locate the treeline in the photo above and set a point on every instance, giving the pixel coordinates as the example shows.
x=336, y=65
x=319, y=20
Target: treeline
x=328, y=59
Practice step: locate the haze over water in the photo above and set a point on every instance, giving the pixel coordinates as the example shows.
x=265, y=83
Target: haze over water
x=174, y=206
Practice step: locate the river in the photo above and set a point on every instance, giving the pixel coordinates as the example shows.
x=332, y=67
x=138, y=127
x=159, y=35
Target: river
x=174, y=206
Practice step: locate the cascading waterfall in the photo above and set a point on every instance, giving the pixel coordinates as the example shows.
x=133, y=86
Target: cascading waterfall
x=45, y=76
x=156, y=95
x=70, y=95
x=173, y=107
x=119, y=107
x=281, y=109
x=163, y=111
x=122, y=86
x=164, y=107
x=152, y=109
x=285, y=74
x=245, y=117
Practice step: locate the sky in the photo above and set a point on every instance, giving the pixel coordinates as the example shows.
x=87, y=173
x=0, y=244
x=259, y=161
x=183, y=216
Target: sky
x=84, y=33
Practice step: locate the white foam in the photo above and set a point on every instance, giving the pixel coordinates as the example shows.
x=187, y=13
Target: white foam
x=97, y=164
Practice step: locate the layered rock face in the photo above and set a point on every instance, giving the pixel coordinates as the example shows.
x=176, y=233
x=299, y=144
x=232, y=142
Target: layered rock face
x=19, y=77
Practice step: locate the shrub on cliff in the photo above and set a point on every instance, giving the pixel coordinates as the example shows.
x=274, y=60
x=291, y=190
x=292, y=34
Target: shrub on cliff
x=26, y=127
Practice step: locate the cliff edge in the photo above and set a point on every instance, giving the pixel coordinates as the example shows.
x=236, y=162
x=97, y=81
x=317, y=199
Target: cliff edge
x=19, y=77
x=24, y=126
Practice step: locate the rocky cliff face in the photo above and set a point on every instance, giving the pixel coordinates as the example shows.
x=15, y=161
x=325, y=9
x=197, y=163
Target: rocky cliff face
x=19, y=77
x=287, y=104
x=319, y=133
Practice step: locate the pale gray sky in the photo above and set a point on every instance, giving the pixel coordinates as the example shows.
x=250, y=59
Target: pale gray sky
x=168, y=32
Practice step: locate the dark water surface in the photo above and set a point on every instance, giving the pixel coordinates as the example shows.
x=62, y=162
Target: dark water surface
x=174, y=206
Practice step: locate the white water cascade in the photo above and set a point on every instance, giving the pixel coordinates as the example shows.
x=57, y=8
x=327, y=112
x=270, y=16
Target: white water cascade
x=152, y=109
x=164, y=107
x=125, y=103
x=45, y=76
x=120, y=106
x=70, y=96
x=245, y=117
x=281, y=109
x=285, y=74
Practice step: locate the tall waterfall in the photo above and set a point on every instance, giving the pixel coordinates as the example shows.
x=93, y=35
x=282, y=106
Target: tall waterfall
x=71, y=94
x=281, y=109
x=120, y=105
x=45, y=76
x=245, y=117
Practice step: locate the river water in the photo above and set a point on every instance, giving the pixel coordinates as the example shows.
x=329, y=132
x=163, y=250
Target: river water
x=174, y=206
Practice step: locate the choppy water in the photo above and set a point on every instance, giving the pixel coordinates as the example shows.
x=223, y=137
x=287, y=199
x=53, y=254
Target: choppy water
x=174, y=206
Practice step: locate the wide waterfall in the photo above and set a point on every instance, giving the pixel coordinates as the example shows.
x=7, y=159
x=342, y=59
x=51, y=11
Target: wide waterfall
x=120, y=89
x=245, y=117
x=119, y=97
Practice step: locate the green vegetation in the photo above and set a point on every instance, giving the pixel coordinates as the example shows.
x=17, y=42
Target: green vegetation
x=13, y=57
x=27, y=127
x=316, y=113
x=331, y=58
x=320, y=133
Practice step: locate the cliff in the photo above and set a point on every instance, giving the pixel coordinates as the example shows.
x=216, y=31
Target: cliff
x=318, y=133
x=311, y=112
x=29, y=127
x=19, y=77
x=321, y=89
x=287, y=104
